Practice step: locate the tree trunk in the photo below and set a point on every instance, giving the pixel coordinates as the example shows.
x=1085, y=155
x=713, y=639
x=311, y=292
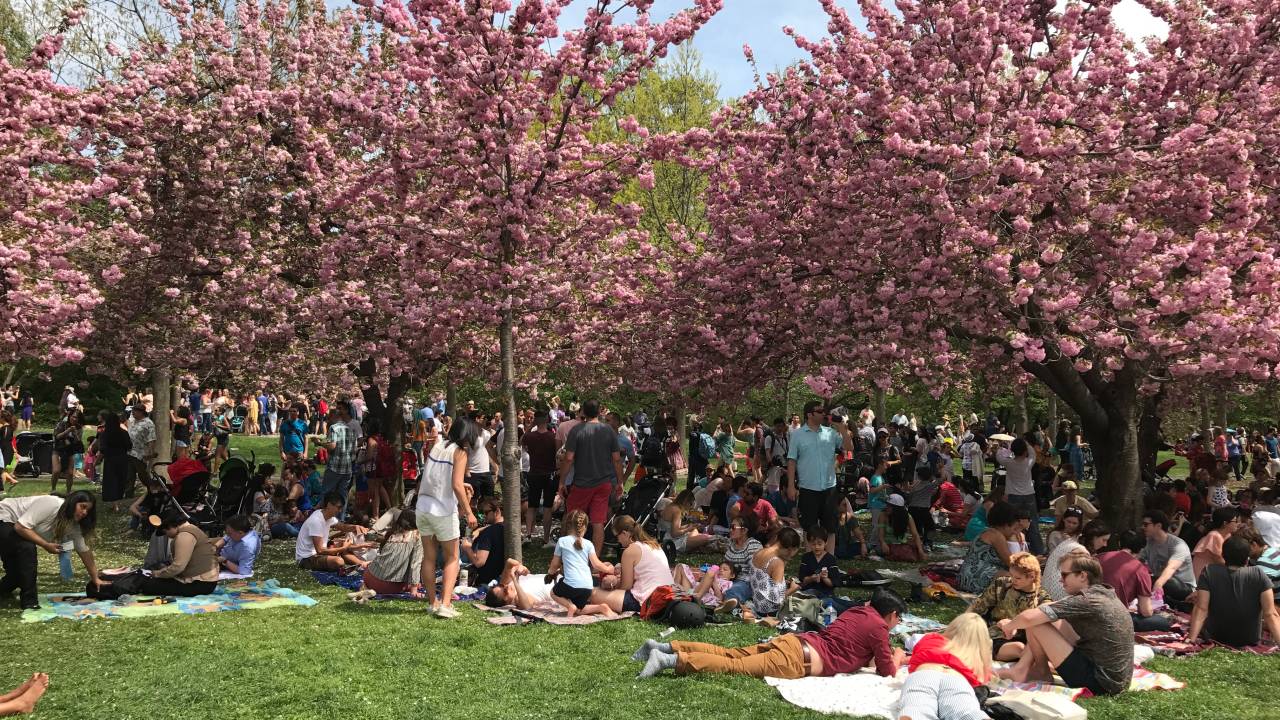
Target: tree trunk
x=450, y=394
x=881, y=414
x=1220, y=406
x=1020, y=394
x=1206, y=422
x=1053, y=416
x=161, y=395
x=509, y=453
x=1149, y=433
x=385, y=411
x=8, y=376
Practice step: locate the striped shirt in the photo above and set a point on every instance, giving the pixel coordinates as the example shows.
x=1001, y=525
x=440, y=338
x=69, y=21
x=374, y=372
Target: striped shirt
x=741, y=559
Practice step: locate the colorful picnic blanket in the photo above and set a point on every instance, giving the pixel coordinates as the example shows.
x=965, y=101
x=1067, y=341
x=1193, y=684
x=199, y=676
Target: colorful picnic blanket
x=353, y=583
x=231, y=596
x=1173, y=642
x=548, y=612
x=915, y=625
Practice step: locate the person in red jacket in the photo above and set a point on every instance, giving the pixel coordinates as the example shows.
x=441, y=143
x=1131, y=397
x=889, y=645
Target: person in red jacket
x=858, y=637
x=945, y=667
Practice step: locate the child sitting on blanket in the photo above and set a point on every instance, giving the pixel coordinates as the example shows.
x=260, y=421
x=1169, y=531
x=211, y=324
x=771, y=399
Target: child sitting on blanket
x=819, y=572
x=945, y=668
x=576, y=556
x=711, y=587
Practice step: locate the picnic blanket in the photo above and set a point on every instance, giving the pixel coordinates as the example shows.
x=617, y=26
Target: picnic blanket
x=915, y=625
x=548, y=612
x=232, y=596
x=353, y=583
x=863, y=693
x=1172, y=643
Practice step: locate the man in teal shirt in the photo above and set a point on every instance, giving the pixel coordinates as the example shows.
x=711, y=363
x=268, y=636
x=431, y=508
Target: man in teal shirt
x=811, y=468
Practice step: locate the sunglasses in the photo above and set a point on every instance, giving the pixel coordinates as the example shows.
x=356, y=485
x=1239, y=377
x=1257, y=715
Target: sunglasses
x=1065, y=575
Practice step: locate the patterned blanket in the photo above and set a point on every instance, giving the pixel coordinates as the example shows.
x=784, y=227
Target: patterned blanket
x=548, y=612
x=1173, y=642
x=227, y=597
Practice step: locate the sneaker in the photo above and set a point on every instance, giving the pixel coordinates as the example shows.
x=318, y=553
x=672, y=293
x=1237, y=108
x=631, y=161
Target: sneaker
x=446, y=612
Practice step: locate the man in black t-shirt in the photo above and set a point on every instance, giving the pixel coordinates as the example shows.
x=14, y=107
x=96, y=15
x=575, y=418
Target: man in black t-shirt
x=1233, y=601
x=488, y=549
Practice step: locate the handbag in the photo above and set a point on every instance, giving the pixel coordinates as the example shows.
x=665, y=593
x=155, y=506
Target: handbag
x=804, y=609
x=1035, y=705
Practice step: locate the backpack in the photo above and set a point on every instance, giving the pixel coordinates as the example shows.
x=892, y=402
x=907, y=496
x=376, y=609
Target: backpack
x=653, y=606
x=706, y=446
x=653, y=453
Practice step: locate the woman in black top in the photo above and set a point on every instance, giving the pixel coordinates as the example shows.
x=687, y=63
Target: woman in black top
x=114, y=445
x=181, y=425
x=8, y=425
x=68, y=441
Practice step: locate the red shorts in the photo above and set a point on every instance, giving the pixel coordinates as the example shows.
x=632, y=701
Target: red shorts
x=594, y=501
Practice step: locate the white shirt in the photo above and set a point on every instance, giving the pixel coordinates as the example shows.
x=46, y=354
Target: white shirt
x=435, y=492
x=478, y=457
x=536, y=587
x=316, y=526
x=524, y=454
x=40, y=512
x=1266, y=520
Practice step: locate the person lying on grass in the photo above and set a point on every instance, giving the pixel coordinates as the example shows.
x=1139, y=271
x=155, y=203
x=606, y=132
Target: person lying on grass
x=859, y=636
x=519, y=587
x=22, y=699
x=945, y=668
x=576, y=557
x=1087, y=637
x=313, y=551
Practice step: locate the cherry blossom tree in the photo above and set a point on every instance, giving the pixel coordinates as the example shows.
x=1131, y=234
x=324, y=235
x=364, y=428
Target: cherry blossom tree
x=488, y=119
x=46, y=298
x=1015, y=185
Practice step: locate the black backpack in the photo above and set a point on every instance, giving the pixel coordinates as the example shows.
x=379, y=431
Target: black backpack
x=653, y=453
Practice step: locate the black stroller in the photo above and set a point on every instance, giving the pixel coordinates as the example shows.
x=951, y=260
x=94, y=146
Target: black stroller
x=34, y=454
x=640, y=503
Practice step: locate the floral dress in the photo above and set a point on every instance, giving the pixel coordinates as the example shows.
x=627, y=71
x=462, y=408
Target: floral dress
x=766, y=595
x=979, y=567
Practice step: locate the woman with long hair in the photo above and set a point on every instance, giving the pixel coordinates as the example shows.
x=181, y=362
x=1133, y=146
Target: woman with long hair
x=682, y=535
x=945, y=668
x=68, y=442
x=114, y=445
x=988, y=555
x=48, y=522
x=1067, y=528
x=767, y=573
x=8, y=428
x=441, y=499
x=398, y=567
x=642, y=569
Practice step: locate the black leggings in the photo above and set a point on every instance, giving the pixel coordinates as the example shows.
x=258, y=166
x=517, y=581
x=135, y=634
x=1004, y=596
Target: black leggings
x=170, y=586
x=19, y=557
x=115, y=475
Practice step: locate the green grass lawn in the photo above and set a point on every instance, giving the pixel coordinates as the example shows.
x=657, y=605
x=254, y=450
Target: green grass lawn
x=391, y=660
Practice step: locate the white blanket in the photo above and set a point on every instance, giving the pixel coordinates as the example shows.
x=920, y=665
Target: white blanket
x=864, y=694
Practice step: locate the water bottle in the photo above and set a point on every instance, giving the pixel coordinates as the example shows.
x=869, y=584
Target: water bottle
x=667, y=633
x=828, y=615
x=64, y=563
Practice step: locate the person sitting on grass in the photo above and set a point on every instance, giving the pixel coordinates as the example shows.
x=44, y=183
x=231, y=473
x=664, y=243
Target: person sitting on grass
x=576, y=557
x=945, y=667
x=738, y=553
x=193, y=569
x=1087, y=637
x=22, y=699
x=708, y=590
x=1226, y=520
x=753, y=503
x=768, y=573
x=859, y=636
x=285, y=518
x=1262, y=555
x=899, y=539
x=642, y=569
x=488, y=549
x=313, y=551
x=1233, y=601
x=1169, y=560
x=398, y=567
x=681, y=534
x=238, y=548
x=519, y=587
x=1008, y=596
x=1067, y=528
x=988, y=556
x=152, y=502
x=819, y=571
x=1122, y=570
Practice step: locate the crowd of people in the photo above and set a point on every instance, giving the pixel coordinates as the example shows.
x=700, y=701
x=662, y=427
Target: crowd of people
x=1068, y=603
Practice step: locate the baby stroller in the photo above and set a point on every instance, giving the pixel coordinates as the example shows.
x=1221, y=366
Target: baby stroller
x=34, y=454
x=640, y=503
x=234, y=495
x=238, y=417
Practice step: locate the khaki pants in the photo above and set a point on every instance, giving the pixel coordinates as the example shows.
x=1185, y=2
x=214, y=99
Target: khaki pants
x=782, y=658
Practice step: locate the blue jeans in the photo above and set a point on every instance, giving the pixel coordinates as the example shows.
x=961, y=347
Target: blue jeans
x=1028, y=503
x=285, y=530
x=740, y=591
x=339, y=483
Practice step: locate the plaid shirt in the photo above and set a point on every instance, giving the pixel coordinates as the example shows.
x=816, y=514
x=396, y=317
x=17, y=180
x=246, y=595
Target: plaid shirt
x=344, y=449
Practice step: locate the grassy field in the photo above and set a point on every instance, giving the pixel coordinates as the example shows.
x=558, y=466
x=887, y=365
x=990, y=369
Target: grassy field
x=391, y=660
